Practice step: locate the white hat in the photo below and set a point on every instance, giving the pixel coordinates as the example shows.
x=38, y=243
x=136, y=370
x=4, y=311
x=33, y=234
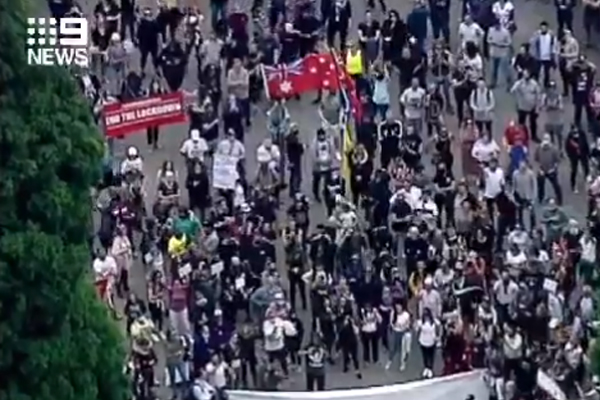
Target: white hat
x=195, y=135
x=132, y=151
x=428, y=281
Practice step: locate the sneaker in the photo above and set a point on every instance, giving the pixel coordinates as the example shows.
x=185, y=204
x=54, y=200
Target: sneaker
x=388, y=365
x=402, y=366
x=424, y=374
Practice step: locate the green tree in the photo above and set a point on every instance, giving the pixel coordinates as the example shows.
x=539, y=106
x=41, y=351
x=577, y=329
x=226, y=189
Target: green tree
x=57, y=341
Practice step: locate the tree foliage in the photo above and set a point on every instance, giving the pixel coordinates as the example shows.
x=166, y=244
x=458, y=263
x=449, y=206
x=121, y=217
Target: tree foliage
x=57, y=341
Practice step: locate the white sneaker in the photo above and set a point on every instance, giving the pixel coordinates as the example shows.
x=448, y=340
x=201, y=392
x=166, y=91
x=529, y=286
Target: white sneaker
x=402, y=366
x=429, y=373
x=388, y=365
x=424, y=374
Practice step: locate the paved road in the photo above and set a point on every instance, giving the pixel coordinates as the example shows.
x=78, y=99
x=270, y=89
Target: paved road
x=528, y=16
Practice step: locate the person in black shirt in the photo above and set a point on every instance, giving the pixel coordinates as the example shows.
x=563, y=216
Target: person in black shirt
x=152, y=132
x=582, y=73
x=401, y=213
x=360, y=168
x=394, y=34
x=147, y=39
x=295, y=257
x=390, y=133
x=462, y=91
x=308, y=26
x=173, y=61
x=290, y=44
x=299, y=213
x=411, y=145
x=198, y=187
x=440, y=19
x=578, y=152
x=444, y=193
x=369, y=33
x=316, y=356
x=524, y=61
x=295, y=150
x=111, y=12
x=339, y=20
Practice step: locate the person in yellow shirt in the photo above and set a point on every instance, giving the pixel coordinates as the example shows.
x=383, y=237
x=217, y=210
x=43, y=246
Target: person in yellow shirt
x=178, y=245
x=354, y=61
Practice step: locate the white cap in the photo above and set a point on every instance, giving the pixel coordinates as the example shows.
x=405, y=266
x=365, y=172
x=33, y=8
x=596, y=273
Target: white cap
x=428, y=281
x=195, y=135
x=132, y=151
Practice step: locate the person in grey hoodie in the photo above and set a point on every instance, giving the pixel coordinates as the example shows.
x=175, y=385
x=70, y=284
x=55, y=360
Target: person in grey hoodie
x=553, y=107
x=500, y=41
x=324, y=153
x=544, y=48
x=525, y=188
x=528, y=95
x=482, y=103
x=547, y=157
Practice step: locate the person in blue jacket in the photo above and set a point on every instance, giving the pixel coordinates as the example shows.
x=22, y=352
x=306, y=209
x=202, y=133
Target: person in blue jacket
x=417, y=23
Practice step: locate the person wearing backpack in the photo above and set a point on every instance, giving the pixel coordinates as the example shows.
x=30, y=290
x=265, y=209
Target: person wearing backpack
x=482, y=102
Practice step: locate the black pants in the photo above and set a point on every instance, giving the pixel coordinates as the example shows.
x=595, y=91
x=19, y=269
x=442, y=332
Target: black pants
x=546, y=67
x=248, y=366
x=523, y=116
x=297, y=285
x=350, y=354
x=144, y=53
x=484, y=126
x=318, y=176
x=334, y=29
x=157, y=315
x=522, y=205
x=575, y=163
x=371, y=5
x=551, y=177
x=428, y=353
x=370, y=343
x=281, y=356
x=152, y=136
x=315, y=382
x=128, y=24
x=578, y=113
x=445, y=203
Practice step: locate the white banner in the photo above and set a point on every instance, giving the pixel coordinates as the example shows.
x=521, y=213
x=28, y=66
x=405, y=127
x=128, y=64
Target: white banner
x=455, y=387
x=224, y=171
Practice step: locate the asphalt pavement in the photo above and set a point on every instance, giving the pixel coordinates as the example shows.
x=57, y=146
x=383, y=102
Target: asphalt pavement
x=528, y=16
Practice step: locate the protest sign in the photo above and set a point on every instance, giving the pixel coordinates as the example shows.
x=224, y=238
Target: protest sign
x=121, y=119
x=224, y=171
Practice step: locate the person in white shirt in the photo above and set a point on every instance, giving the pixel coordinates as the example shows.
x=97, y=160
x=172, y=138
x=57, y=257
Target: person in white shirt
x=232, y=146
x=413, y=103
x=275, y=330
x=133, y=162
x=493, y=184
x=587, y=263
x=217, y=371
x=104, y=266
x=195, y=147
x=505, y=293
x=201, y=389
x=512, y=348
x=504, y=11
x=400, y=339
x=470, y=31
x=428, y=334
x=485, y=149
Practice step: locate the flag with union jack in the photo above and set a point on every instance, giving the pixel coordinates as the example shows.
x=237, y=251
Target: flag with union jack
x=287, y=80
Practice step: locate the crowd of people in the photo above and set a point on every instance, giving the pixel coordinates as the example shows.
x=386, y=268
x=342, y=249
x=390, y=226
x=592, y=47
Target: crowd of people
x=478, y=264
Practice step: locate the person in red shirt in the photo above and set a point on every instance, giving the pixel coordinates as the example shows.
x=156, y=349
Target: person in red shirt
x=515, y=134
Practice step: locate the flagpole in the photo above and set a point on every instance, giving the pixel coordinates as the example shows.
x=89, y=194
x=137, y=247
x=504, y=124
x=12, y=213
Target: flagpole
x=264, y=79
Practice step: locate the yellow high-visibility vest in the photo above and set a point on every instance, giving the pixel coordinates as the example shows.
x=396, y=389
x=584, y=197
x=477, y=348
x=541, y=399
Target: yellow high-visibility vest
x=354, y=64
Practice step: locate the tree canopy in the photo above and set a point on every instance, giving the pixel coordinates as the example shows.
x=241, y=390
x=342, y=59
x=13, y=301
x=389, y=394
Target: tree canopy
x=57, y=341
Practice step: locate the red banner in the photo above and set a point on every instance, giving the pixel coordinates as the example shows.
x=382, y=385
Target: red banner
x=121, y=119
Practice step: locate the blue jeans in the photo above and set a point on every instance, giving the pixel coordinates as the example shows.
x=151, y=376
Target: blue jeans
x=396, y=339
x=217, y=12
x=381, y=109
x=501, y=63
